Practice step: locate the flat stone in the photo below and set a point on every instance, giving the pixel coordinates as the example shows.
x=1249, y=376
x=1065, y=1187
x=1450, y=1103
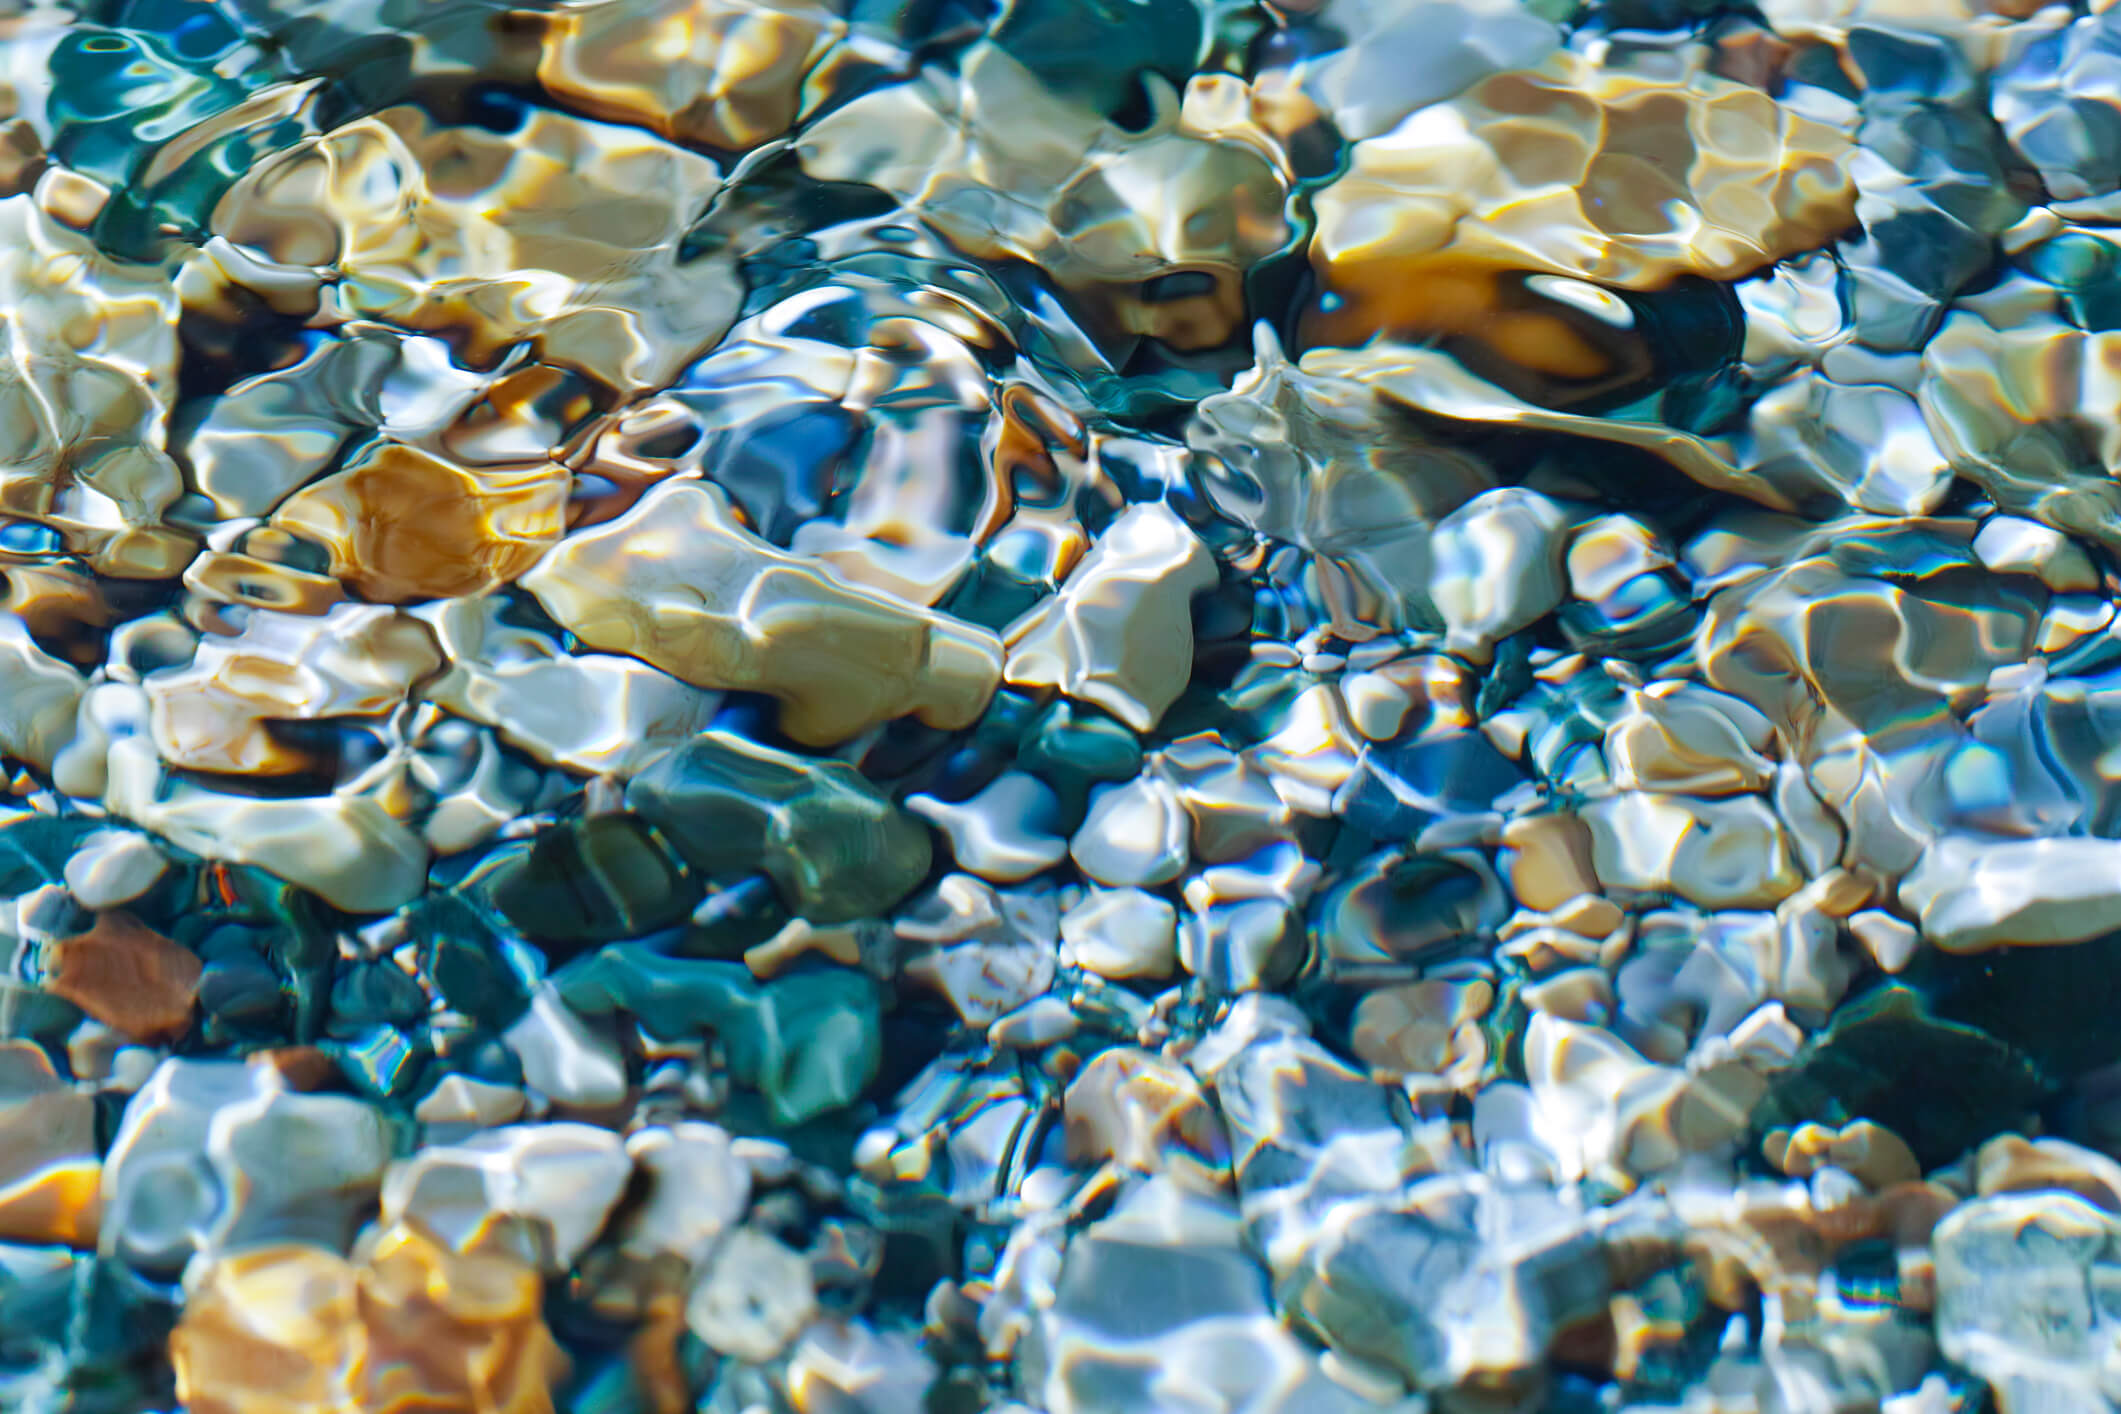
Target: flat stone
x=1973, y=894
x=127, y=976
x=835, y=847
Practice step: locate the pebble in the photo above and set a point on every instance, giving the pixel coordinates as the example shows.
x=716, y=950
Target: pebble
x=112, y=868
x=697, y=1189
x=1121, y=933
x=834, y=846
x=1377, y=706
x=1119, y=634
x=214, y=1155
x=1969, y=895
x=1002, y=834
x=295, y=1327
x=1136, y=835
x=536, y=1193
x=754, y=1297
x=127, y=976
x=562, y=1057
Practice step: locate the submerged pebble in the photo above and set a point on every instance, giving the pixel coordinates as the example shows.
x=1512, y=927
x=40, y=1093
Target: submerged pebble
x=1312, y=705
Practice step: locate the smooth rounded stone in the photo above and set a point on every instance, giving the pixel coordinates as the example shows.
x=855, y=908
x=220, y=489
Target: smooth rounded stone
x=50, y=1172
x=1072, y=747
x=347, y=849
x=1726, y=853
x=2010, y=1163
x=730, y=76
x=599, y=878
x=1889, y=941
x=44, y=697
x=1548, y=858
x=1612, y=1114
x=2057, y=106
x=2021, y=1297
x=1307, y=1131
x=214, y=1155
x=562, y=1057
x=1121, y=933
x=405, y=1323
x=403, y=525
x=1495, y=567
x=1424, y=1028
x=1686, y=739
x=375, y=993
x=697, y=1189
x=539, y=1193
x=2014, y=545
x=1002, y=834
x=1970, y=894
x=720, y=608
x=461, y=954
x=754, y=1297
x=215, y=713
x=114, y=867
x=1137, y=1109
x=1429, y=1296
x=1119, y=633
x=126, y=975
x=1870, y=1152
x=1136, y=834
x=835, y=847
x=1744, y=182
x=810, y=1042
x=1325, y=464
x=1377, y=706
x=1205, y=198
x=405, y=246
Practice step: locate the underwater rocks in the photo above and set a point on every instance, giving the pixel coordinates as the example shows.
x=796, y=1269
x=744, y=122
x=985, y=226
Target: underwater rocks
x=821, y=707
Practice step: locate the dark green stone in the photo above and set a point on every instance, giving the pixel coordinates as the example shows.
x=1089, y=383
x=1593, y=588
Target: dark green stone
x=374, y=993
x=832, y=843
x=1941, y=1085
x=1072, y=747
x=809, y=1042
x=461, y=955
x=593, y=880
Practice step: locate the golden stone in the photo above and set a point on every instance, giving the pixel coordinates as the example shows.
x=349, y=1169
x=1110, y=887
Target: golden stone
x=402, y=525
x=289, y=1329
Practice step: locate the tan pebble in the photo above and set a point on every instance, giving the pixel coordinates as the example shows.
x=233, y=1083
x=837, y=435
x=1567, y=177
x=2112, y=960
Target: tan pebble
x=1146, y=1113
x=799, y=937
x=1891, y=942
x=2011, y=1163
x=290, y=1329
x=402, y=525
x=1377, y=706
x=127, y=976
x=1549, y=860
